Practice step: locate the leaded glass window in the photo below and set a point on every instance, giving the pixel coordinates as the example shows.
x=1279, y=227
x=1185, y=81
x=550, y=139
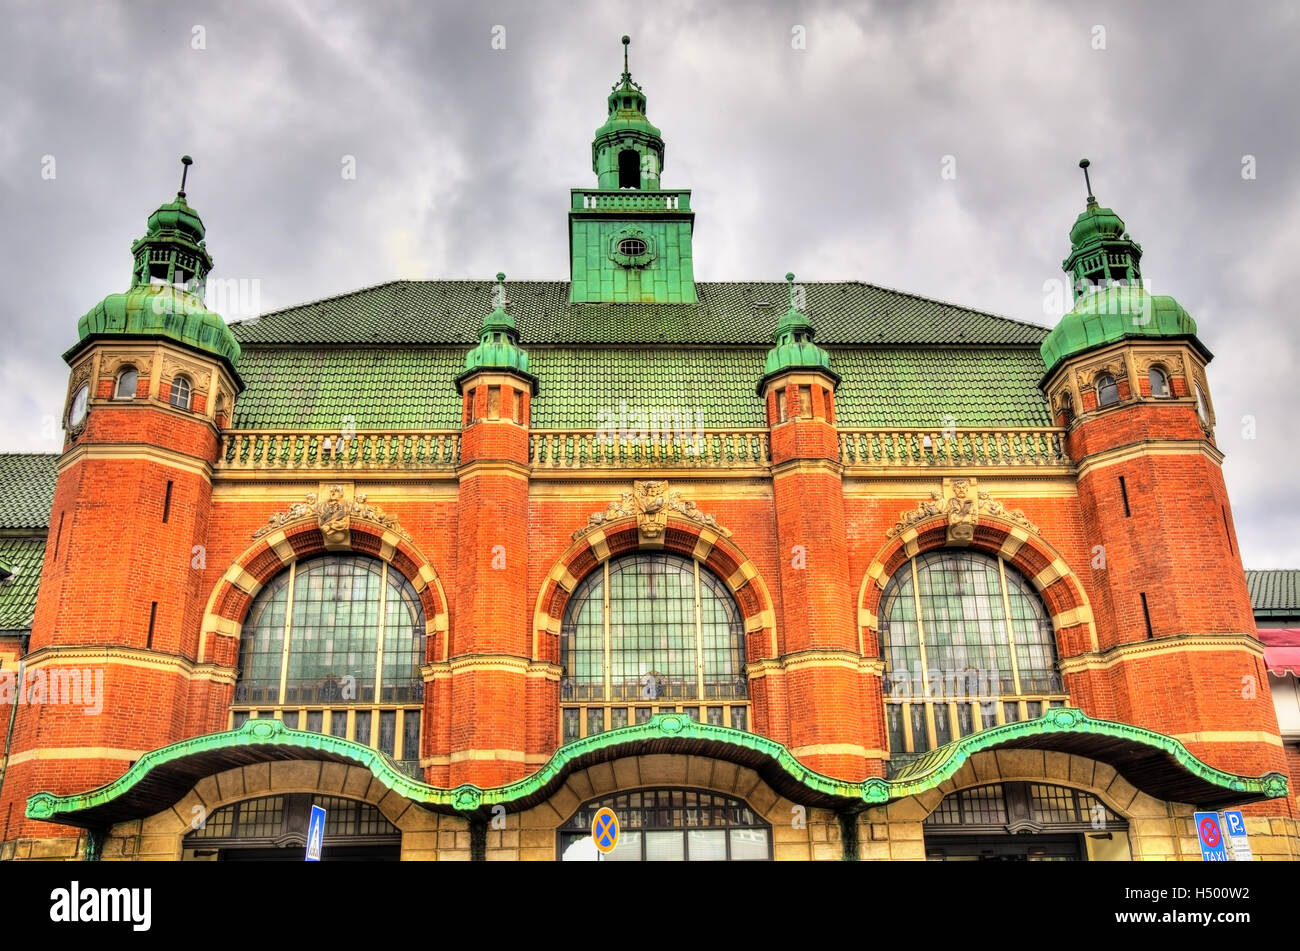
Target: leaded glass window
x=645, y=634
x=331, y=642
x=967, y=645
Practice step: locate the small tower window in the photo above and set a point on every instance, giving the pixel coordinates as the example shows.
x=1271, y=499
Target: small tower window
x=629, y=169
x=1159, y=382
x=180, y=393
x=127, y=381
x=631, y=246
x=1107, y=390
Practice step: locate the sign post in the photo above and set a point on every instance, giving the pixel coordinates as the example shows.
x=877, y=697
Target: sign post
x=1209, y=832
x=315, y=834
x=1234, y=824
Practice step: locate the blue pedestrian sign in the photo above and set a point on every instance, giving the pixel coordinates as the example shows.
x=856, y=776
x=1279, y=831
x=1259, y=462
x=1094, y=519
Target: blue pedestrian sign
x=1209, y=832
x=315, y=834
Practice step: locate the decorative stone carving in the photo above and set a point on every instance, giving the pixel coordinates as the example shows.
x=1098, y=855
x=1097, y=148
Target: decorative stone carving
x=962, y=514
x=992, y=507
x=962, y=504
x=651, y=503
x=333, y=514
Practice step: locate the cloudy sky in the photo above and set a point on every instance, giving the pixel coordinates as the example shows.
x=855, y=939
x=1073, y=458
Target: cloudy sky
x=815, y=136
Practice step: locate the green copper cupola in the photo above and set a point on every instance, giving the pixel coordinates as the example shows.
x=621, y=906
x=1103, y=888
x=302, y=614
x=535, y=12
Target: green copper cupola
x=498, y=347
x=794, y=349
x=628, y=151
x=1110, y=301
x=629, y=237
x=1101, y=251
x=168, y=280
x=172, y=250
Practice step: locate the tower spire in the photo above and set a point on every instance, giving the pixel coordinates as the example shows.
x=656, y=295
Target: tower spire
x=186, y=162
x=1083, y=164
x=627, y=73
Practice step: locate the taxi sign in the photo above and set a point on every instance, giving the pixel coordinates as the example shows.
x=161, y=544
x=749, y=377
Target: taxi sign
x=604, y=830
x=1210, y=834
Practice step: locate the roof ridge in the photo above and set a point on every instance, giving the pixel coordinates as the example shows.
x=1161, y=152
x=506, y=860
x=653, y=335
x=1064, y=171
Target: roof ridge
x=488, y=280
x=320, y=300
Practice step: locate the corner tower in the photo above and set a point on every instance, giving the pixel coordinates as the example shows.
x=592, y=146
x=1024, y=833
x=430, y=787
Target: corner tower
x=629, y=238
x=121, y=600
x=1177, y=651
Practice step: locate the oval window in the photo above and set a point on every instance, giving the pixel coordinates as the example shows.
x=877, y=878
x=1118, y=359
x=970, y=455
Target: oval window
x=631, y=247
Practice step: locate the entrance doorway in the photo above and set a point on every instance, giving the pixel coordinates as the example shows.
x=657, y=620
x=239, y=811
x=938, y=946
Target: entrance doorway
x=1023, y=822
x=274, y=829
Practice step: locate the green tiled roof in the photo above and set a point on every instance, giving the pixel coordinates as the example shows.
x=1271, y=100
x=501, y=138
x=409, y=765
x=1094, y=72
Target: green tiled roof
x=451, y=312
x=387, y=388
x=23, y=557
x=1274, y=592
x=920, y=387
x=26, y=489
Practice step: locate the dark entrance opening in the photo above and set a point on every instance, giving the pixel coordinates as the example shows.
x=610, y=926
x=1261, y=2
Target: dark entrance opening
x=1006, y=848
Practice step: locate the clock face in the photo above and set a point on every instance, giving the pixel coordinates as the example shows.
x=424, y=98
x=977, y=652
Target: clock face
x=77, y=413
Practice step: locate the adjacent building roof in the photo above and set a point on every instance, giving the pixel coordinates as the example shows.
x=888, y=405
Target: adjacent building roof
x=22, y=558
x=26, y=494
x=1275, y=593
x=26, y=489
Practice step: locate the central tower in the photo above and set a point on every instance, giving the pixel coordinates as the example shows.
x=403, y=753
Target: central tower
x=630, y=239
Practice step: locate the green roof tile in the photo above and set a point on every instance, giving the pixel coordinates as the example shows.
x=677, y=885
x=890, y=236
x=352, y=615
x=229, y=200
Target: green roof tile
x=388, y=388
x=1276, y=592
x=450, y=312
x=26, y=489
x=23, y=557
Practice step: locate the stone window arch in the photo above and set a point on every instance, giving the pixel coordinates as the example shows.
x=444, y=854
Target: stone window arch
x=968, y=645
x=334, y=644
x=646, y=633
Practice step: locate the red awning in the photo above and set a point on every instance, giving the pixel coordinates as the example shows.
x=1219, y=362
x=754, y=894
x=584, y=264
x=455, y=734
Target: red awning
x=1281, y=650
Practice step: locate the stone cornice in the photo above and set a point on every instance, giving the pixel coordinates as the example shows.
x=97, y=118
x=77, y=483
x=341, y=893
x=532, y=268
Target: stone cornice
x=1100, y=660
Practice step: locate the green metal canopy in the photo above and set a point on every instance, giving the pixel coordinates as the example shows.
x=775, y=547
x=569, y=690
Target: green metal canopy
x=1156, y=764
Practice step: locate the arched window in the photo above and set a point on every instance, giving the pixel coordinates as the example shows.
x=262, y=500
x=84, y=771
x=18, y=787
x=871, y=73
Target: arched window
x=968, y=645
x=334, y=645
x=1107, y=390
x=671, y=825
x=180, y=392
x=646, y=634
x=127, y=381
x=1159, y=380
x=629, y=169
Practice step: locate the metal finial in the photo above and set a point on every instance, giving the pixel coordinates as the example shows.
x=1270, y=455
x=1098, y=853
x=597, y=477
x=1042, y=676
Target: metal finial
x=186, y=161
x=1083, y=164
x=789, y=279
x=501, y=290
x=626, y=40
